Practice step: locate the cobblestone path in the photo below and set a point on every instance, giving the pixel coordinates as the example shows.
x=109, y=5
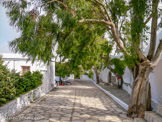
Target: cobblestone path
x=80, y=102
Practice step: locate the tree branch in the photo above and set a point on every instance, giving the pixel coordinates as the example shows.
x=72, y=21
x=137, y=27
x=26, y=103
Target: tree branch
x=96, y=21
x=148, y=19
x=99, y=3
x=157, y=55
x=117, y=39
x=62, y=3
x=113, y=30
x=139, y=53
x=102, y=13
x=153, y=29
x=123, y=40
x=102, y=56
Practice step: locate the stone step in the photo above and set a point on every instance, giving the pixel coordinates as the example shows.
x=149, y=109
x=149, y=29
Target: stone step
x=151, y=116
x=159, y=109
x=139, y=120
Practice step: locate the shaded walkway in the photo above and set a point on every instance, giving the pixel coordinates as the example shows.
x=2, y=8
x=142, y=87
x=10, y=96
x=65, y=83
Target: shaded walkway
x=119, y=93
x=79, y=102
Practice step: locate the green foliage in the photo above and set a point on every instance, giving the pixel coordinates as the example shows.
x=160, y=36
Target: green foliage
x=7, y=81
x=13, y=85
x=28, y=82
x=138, y=15
x=90, y=74
x=119, y=66
x=82, y=44
x=62, y=69
x=118, y=8
x=3, y=100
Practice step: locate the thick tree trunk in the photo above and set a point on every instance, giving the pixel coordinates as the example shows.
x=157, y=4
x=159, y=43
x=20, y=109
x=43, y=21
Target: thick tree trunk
x=97, y=77
x=140, y=99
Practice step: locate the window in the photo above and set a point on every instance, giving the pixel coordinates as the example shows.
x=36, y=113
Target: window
x=25, y=69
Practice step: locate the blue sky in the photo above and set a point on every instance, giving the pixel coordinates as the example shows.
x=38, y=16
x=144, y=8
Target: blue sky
x=7, y=32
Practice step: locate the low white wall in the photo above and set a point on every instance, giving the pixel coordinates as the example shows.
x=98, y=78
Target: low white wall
x=127, y=88
x=17, y=104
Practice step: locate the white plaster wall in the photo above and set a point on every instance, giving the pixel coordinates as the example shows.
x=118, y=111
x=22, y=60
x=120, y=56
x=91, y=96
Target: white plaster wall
x=128, y=77
x=49, y=77
x=127, y=88
x=17, y=65
x=156, y=83
x=104, y=75
x=85, y=77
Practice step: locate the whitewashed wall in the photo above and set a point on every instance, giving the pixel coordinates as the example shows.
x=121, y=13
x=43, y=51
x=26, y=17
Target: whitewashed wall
x=156, y=83
x=19, y=103
x=49, y=78
x=128, y=77
x=16, y=61
x=85, y=77
x=104, y=75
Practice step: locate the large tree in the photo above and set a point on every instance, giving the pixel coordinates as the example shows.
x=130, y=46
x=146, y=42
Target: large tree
x=48, y=21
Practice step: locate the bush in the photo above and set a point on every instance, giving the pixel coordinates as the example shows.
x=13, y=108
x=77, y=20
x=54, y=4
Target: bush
x=7, y=83
x=90, y=74
x=13, y=85
x=28, y=82
x=3, y=100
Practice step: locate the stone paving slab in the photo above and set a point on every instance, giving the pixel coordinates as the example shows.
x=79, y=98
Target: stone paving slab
x=80, y=102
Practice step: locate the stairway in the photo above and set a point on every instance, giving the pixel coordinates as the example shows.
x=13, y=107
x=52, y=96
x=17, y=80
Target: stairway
x=151, y=116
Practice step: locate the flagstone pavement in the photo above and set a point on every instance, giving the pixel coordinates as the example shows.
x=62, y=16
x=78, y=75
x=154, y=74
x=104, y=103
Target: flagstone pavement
x=80, y=102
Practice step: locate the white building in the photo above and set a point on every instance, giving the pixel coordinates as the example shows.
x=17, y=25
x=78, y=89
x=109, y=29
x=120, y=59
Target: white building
x=20, y=64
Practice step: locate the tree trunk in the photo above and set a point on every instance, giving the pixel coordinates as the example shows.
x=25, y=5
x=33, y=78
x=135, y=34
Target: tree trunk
x=140, y=100
x=60, y=80
x=97, y=77
x=109, y=78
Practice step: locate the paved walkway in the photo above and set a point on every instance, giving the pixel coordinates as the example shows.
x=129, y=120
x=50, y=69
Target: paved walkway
x=80, y=102
x=119, y=93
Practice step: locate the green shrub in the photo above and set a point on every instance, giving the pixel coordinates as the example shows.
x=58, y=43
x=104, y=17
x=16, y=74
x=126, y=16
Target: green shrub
x=3, y=100
x=7, y=82
x=13, y=85
x=90, y=74
x=28, y=82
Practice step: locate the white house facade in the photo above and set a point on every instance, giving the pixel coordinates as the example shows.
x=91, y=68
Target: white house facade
x=21, y=64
